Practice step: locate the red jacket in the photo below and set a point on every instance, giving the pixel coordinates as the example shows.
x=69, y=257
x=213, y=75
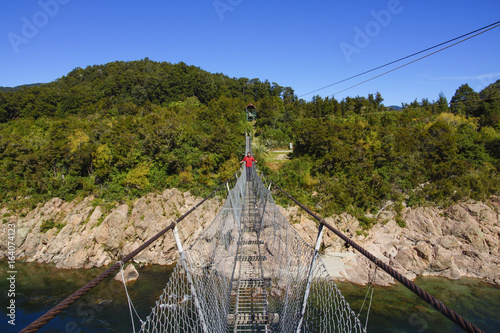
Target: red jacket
x=248, y=161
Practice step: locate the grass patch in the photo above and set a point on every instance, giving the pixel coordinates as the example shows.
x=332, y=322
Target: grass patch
x=276, y=160
x=100, y=220
x=50, y=224
x=400, y=221
x=366, y=222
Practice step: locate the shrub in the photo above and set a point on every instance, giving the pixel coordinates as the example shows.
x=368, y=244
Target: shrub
x=50, y=224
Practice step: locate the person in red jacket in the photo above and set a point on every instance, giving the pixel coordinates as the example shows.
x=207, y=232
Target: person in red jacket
x=248, y=159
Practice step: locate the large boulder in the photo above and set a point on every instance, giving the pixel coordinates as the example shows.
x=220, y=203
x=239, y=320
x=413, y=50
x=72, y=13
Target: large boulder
x=128, y=274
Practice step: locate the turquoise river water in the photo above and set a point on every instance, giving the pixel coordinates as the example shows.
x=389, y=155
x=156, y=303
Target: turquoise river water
x=394, y=309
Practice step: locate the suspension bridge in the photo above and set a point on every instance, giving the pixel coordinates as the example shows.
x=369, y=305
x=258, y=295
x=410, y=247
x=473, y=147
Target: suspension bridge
x=250, y=271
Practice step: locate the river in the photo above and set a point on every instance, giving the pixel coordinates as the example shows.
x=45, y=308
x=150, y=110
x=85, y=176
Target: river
x=394, y=309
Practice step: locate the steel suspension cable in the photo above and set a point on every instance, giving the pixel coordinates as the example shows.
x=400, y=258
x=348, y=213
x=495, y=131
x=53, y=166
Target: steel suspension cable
x=400, y=59
x=434, y=302
x=418, y=59
x=52, y=313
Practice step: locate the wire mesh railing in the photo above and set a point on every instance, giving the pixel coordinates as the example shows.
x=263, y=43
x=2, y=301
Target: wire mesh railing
x=295, y=292
x=292, y=262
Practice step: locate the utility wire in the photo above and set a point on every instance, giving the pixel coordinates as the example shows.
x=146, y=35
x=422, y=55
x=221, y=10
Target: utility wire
x=411, y=62
x=401, y=59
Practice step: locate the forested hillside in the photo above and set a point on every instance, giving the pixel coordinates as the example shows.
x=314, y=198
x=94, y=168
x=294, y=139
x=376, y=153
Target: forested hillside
x=11, y=89
x=120, y=130
x=355, y=156
x=120, y=87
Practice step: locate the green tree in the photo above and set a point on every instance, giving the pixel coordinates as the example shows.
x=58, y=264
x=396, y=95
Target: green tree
x=138, y=176
x=101, y=159
x=465, y=101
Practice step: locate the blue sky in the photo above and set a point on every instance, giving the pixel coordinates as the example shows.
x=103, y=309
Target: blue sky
x=302, y=44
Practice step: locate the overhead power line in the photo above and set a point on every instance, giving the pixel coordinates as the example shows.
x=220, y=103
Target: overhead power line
x=406, y=57
x=411, y=62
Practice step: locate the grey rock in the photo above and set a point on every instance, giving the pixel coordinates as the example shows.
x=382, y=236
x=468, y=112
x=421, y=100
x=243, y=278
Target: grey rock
x=463, y=240
x=129, y=274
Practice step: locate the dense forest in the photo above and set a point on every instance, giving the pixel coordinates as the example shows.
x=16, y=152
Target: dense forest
x=354, y=155
x=120, y=130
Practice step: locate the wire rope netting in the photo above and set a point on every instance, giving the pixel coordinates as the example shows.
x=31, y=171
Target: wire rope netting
x=204, y=268
x=208, y=288
x=289, y=267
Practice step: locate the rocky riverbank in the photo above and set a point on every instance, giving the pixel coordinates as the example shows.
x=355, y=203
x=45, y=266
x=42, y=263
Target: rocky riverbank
x=463, y=240
x=78, y=235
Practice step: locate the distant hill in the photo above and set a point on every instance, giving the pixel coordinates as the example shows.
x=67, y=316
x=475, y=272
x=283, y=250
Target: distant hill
x=121, y=84
x=394, y=107
x=11, y=89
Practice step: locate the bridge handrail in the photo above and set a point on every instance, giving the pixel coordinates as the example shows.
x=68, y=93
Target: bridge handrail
x=56, y=310
x=431, y=300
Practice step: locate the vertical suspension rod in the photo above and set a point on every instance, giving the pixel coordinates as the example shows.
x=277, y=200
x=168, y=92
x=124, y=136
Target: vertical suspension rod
x=310, y=276
x=449, y=313
x=52, y=313
x=184, y=264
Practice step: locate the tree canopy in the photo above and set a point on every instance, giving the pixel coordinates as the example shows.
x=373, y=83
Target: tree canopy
x=120, y=130
x=354, y=155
